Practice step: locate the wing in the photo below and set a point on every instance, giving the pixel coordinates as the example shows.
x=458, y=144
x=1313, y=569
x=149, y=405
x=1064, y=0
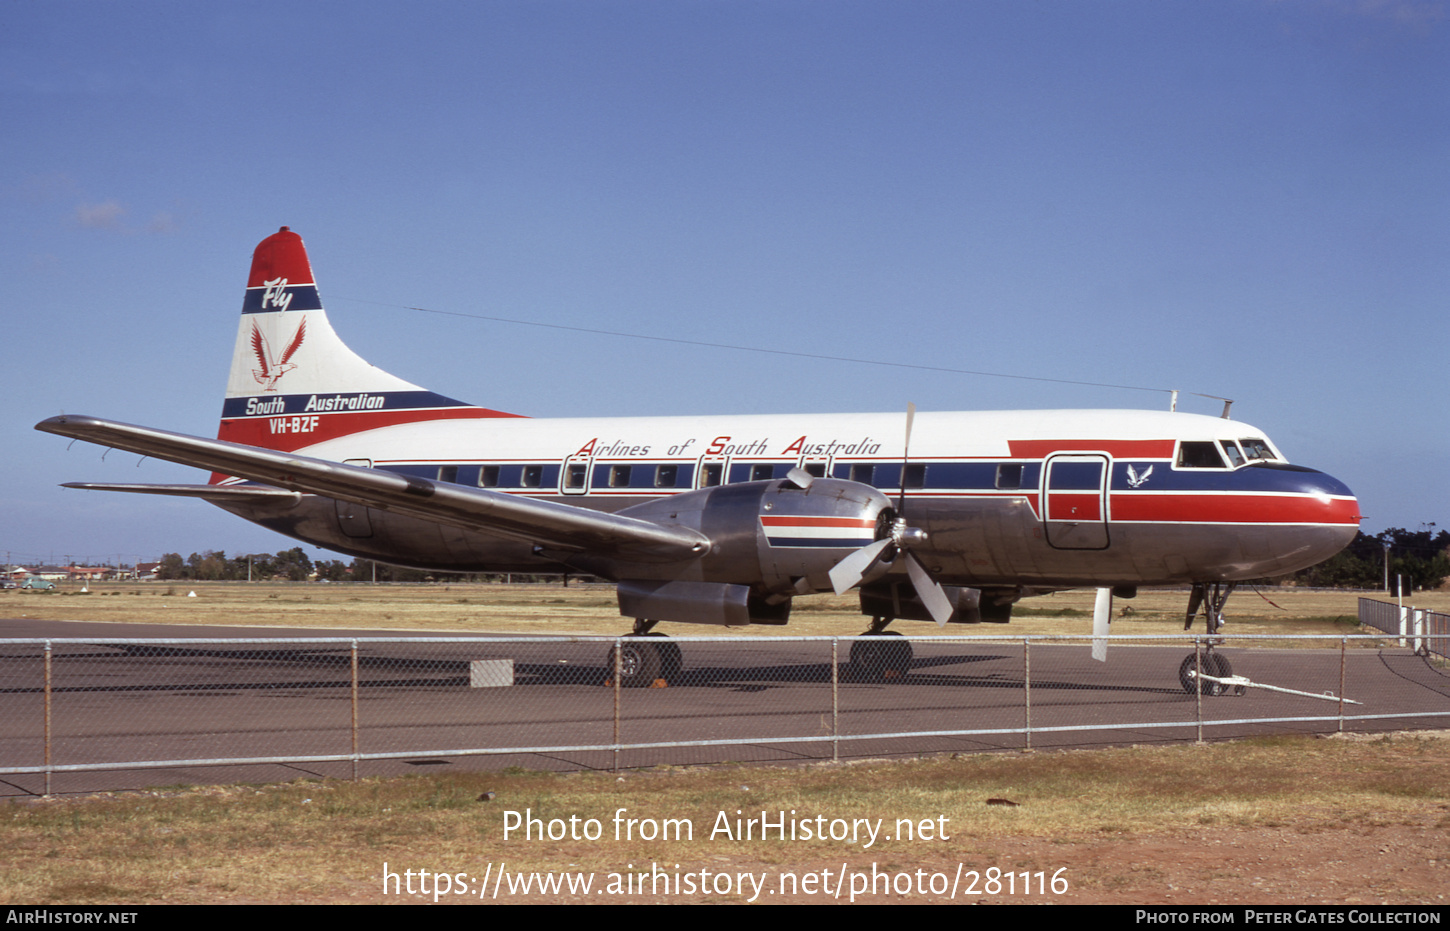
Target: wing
x=543, y=523
x=261, y=350
x=297, y=339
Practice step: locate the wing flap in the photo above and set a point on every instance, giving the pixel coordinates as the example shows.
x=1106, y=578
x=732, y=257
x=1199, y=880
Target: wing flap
x=543, y=523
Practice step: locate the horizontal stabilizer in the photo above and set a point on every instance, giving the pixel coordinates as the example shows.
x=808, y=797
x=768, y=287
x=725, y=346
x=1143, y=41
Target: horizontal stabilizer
x=543, y=523
x=237, y=494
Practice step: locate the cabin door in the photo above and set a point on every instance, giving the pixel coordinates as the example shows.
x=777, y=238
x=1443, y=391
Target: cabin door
x=1074, y=502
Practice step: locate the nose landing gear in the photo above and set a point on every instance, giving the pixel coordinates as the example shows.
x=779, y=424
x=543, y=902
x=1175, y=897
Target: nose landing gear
x=1211, y=597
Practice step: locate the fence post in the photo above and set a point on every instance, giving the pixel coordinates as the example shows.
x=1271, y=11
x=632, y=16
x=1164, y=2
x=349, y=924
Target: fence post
x=47, y=719
x=835, y=699
x=1027, y=690
x=1342, y=642
x=618, y=658
x=1198, y=685
x=354, y=710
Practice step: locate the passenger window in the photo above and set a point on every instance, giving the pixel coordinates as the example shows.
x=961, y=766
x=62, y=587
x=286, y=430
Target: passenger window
x=714, y=472
x=665, y=476
x=1235, y=457
x=1199, y=456
x=488, y=476
x=915, y=476
x=1009, y=475
x=816, y=469
x=574, y=477
x=533, y=476
x=862, y=473
x=761, y=471
x=448, y=473
x=619, y=476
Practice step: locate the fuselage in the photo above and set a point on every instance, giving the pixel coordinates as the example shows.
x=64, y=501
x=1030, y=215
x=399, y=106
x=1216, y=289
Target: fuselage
x=1056, y=498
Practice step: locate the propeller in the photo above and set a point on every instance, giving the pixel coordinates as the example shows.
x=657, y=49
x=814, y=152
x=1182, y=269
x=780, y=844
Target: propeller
x=873, y=559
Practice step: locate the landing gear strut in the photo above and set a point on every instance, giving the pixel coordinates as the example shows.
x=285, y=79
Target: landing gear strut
x=887, y=655
x=1211, y=597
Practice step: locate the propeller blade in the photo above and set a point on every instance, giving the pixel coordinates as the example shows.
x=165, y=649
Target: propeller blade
x=848, y=573
x=929, y=591
x=1102, y=623
x=905, y=457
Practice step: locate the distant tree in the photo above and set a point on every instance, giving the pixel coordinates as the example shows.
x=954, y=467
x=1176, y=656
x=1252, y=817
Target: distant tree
x=172, y=567
x=333, y=570
x=293, y=564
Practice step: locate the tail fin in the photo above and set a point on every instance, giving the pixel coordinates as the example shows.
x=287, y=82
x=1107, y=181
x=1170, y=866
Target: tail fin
x=294, y=383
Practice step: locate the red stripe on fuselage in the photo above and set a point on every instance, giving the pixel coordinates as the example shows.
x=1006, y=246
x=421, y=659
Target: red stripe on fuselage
x=1121, y=449
x=1234, y=509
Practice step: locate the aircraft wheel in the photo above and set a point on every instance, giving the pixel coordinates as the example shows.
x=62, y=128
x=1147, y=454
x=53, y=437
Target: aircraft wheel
x=639, y=663
x=1223, y=670
x=886, y=655
x=1214, y=664
x=671, y=659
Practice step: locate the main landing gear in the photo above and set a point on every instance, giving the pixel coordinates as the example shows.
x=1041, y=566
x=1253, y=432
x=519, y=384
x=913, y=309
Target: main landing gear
x=646, y=658
x=886, y=655
x=1210, y=597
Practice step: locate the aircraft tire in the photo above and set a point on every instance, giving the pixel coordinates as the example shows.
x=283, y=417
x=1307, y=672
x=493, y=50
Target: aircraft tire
x=1214, y=664
x=640, y=663
x=1223, y=669
x=672, y=660
x=880, y=658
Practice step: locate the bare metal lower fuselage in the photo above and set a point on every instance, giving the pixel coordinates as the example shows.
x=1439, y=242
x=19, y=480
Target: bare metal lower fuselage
x=986, y=543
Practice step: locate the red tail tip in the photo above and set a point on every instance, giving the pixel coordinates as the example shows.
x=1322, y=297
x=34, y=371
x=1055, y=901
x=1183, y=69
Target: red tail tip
x=280, y=255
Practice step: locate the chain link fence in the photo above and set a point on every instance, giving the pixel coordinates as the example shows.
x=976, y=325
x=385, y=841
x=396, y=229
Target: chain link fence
x=348, y=707
x=1426, y=631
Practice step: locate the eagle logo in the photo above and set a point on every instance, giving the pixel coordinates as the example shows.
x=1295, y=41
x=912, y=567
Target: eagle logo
x=271, y=368
x=1134, y=479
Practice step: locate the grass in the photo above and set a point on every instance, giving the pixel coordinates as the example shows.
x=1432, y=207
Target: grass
x=592, y=609
x=327, y=841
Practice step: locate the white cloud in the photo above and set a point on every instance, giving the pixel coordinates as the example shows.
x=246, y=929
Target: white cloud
x=103, y=216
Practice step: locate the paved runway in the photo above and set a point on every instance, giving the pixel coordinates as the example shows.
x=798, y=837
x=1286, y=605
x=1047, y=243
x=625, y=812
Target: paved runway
x=120, y=693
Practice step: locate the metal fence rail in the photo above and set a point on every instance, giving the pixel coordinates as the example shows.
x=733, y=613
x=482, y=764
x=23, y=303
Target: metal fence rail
x=70, y=707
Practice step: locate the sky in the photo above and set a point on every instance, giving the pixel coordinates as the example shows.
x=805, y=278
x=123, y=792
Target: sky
x=1247, y=199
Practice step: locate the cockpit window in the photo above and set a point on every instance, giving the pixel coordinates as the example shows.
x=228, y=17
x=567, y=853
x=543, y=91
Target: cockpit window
x=1256, y=448
x=1235, y=458
x=1199, y=456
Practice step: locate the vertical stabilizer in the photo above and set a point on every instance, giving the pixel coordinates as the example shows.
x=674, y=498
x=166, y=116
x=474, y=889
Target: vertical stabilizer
x=293, y=382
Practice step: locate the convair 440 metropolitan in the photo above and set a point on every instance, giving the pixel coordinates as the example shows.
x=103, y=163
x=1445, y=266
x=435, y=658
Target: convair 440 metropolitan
x=726, y=520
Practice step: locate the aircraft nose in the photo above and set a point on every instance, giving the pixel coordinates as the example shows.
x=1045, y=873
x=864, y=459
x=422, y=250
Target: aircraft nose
x=1331, y=506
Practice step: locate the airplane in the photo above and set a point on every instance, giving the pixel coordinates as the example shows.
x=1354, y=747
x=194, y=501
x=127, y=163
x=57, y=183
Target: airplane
x=725, y=520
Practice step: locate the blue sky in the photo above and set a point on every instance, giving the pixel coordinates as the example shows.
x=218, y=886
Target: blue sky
x=1246, y=199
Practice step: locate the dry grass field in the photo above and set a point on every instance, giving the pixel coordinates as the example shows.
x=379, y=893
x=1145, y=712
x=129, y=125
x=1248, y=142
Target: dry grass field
x=1270, y=822
x=550, y=608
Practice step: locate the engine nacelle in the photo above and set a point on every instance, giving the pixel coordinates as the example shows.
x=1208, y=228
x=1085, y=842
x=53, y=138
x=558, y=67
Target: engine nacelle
x=775, y=536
